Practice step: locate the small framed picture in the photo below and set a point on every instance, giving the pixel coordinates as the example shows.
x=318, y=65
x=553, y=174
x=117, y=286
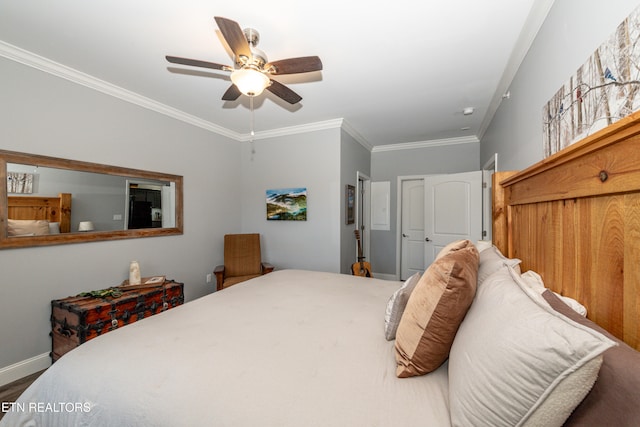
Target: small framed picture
x=350, y=203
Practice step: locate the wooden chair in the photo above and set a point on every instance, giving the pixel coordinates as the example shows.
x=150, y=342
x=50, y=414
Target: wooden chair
x=242, y=260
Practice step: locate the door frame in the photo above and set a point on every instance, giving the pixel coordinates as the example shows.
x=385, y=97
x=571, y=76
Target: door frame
x=363, y=213
x=489, y=168
x=400, y=179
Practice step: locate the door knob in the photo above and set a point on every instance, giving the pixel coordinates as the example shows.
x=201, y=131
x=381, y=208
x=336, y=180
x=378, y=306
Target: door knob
x=426, y=239
x=405, y=235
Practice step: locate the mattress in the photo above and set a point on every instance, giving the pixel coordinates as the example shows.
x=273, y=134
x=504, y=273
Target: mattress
x=291, y=348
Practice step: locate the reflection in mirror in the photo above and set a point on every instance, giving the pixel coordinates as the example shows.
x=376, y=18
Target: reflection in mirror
x=51, y=201
x=150, y=204
x=106, y=201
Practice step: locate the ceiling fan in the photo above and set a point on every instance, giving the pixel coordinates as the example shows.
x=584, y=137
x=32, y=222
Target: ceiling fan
x=252, y=72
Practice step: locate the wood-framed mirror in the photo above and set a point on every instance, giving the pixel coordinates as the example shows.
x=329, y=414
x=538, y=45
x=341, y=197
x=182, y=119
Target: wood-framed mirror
x=50, y=201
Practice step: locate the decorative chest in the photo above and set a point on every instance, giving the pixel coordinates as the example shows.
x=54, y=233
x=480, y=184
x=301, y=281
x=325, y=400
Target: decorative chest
x=75, y=320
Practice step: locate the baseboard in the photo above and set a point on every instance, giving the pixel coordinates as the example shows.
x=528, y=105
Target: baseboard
x=24, y=368
x=385, y=276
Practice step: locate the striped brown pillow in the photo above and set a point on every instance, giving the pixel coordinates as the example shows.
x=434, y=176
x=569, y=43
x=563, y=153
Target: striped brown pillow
x=435, y=310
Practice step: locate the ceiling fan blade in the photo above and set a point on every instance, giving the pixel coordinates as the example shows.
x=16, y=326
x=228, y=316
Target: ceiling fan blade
x=197, y=63
x=284, y=92
x=303, y=64
x=234, y=36
x=232, y=93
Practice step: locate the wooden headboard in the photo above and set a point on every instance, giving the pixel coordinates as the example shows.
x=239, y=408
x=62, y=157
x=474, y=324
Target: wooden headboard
x=52, y=209
x=574, y=218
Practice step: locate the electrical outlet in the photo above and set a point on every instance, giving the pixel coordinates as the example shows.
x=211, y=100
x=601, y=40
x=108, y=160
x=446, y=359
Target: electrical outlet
x=209, y=278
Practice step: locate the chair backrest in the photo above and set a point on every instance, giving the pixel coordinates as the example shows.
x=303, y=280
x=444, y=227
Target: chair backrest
x=242, y=254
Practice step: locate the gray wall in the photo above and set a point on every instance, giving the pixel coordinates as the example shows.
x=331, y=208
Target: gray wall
x=354, y=158
x=322, y=161
x=47, y=115
x=573, y=30
x=310, y=160
x=389, y=165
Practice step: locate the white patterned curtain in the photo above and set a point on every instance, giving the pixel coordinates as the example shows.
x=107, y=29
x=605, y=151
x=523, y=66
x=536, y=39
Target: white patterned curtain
x=19, y=182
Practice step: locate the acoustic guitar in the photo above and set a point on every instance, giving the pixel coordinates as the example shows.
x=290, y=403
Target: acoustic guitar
x=360, y=267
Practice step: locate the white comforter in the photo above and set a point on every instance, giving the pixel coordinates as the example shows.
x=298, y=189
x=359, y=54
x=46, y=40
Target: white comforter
x=292, y=348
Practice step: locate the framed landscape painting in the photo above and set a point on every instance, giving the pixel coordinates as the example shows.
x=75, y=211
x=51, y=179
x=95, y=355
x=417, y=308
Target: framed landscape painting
x=287, y=204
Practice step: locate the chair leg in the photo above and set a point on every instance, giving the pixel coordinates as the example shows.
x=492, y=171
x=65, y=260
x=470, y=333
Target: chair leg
x=266, y=268
x=219, y=272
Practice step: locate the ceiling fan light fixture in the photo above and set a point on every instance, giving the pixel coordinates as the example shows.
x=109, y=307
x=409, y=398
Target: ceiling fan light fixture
x=251, y=72
x=249, y=81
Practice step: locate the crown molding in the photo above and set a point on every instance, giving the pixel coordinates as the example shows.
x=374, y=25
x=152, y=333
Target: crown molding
x=41, y=63
x=292, y=130
x=355, y=135
x=537, y=16
x=46, y=65
x=426, y=144
x=310, y=127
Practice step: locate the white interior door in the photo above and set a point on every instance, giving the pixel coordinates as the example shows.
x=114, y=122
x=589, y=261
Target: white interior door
x=453, y=210
x=412, y=224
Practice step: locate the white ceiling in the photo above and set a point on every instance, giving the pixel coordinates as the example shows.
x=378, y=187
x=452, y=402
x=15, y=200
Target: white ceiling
x=402, y=73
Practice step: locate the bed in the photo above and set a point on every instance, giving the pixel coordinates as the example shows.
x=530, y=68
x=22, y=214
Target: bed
x=200, y=372
x=38, y=215
x=303, y=348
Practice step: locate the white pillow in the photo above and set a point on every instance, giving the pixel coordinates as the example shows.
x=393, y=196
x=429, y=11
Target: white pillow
x=491, y=260
x=396, y=305
x=512, y=352
x=27, y=227
x=481, y=245
x=533, y=280
x=54, y=228
x=560, y=403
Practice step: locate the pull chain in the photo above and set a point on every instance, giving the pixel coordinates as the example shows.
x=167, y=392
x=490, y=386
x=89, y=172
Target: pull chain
x=252, y=134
